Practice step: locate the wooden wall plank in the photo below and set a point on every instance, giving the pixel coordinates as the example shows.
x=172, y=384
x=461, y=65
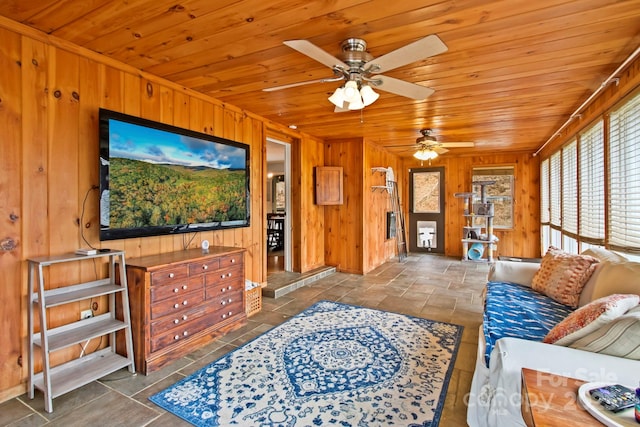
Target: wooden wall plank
x=344, y=223
x=309, y=223
x=11, y=218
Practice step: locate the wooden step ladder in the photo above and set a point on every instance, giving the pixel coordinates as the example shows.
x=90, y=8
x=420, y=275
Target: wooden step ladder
x=396, y=207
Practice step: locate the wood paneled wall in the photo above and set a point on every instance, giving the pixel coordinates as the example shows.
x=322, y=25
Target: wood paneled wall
x=308, y=221
x=344, y=224
x=50, y=94
x=524, y=239
x=377, y=248
x=355, y=232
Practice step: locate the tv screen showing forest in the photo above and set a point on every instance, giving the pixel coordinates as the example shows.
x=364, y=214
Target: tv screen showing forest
x=157, y=179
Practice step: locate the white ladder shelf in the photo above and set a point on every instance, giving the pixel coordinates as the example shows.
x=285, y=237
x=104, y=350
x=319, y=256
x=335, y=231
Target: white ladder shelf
x=58, y=380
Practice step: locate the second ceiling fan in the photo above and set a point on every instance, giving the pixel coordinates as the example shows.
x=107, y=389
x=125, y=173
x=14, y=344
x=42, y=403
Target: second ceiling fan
x=428, y=147
x=361, y=71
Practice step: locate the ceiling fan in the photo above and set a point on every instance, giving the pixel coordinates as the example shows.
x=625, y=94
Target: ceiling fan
x=429, y=148
x=361, y=71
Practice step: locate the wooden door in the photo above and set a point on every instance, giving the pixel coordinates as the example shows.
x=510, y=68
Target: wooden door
x=426, y=210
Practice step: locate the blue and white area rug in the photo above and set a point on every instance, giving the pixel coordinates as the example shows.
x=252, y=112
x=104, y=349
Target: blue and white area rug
x=331, y=365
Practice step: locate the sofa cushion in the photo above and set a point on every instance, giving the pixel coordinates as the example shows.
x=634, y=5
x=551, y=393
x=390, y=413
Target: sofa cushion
x=620, y=337
x=514, y=272
x=612, y=278
x=591, y=317
x=513, y=310
x=562, y=275
x=604, y=255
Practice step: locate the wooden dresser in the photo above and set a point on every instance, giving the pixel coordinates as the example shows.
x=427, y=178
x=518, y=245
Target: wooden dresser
x=182, y=300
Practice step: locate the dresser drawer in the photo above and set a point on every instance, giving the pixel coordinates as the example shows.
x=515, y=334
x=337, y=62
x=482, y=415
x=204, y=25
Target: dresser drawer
x=176, y=288
x=204, y=266
x=171, y=273
x=231, y=260
x=225, y=275
x=178, y=320
x=224, y=287
x=177, y=305
x=222, y=301
x=228, y=311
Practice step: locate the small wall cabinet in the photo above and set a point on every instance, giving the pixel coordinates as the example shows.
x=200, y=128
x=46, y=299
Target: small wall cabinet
x=58, y=380
x=329, y=185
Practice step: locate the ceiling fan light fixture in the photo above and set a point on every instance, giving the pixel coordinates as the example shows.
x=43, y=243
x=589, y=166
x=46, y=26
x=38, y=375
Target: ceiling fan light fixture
x=351, y=91
x=357, y=103
x=337, y=98
x=369, y=96
x=425, y=154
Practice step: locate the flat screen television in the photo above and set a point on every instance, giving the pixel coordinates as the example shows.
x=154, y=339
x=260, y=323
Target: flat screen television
x=159, y=179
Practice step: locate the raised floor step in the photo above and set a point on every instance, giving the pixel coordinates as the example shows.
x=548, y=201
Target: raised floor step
x=279, y=284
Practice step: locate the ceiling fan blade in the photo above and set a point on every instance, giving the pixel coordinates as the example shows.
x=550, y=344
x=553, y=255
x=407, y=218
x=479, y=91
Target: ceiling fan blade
x=314, y=52
x=308, y=82
x=403, y=88
x=440, y=150
x=457, y=144
x=420, y=49
x=404, y=146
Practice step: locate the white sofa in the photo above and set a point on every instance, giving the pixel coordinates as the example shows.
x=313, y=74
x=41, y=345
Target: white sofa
x=495, y=399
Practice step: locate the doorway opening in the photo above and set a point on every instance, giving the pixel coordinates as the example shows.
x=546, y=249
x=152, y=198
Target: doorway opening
x=278, y=209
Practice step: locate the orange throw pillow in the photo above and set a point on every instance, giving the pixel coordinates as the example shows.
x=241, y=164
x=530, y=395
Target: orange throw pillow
x=563, y=275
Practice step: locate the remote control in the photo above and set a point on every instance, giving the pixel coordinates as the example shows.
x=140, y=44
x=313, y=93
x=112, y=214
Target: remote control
x=614, y=397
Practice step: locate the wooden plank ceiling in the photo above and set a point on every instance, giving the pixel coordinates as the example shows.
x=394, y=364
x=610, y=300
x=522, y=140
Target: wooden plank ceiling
x=514, y=71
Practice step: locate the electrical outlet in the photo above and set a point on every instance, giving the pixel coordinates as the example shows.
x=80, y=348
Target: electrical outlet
x=86, y=314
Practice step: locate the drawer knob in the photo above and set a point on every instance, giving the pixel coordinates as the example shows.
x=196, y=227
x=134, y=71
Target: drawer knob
x=185, y=333
x=171, y=275
x=204, y=267
x=222, y=276
x=176, y=305
x=177, y=337
x=229, y=287
x=223, y=289
x=223, y=302
x=184, y=317
x=184, y=287
x=225, y=315
x=175, y=290
x=233, y=260
x=176, y=321
x=229, y=301
x=184, y=302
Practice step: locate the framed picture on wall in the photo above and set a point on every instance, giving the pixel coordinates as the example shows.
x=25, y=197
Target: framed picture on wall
x=279, y=194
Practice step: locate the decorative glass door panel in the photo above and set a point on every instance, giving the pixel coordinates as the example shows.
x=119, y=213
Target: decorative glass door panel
x=426, y=216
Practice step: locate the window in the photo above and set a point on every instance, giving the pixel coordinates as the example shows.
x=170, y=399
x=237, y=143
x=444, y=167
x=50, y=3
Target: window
x=591, y=186
x=570, y=188
x=500, y=193
x=554, y=191
x=624, y=177
x=581, y=204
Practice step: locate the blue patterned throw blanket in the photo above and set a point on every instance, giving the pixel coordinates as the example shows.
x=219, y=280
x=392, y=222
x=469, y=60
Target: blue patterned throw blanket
x=332, y=364
x=513, y=310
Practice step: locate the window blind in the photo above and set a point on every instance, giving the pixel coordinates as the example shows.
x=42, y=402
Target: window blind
x=624, y=177
x=554, y=189
x=591, y=187
x=570, y=188
x=544, y=192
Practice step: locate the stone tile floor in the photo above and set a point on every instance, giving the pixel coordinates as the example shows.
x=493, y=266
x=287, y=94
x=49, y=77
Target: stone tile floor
x=429, y=286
